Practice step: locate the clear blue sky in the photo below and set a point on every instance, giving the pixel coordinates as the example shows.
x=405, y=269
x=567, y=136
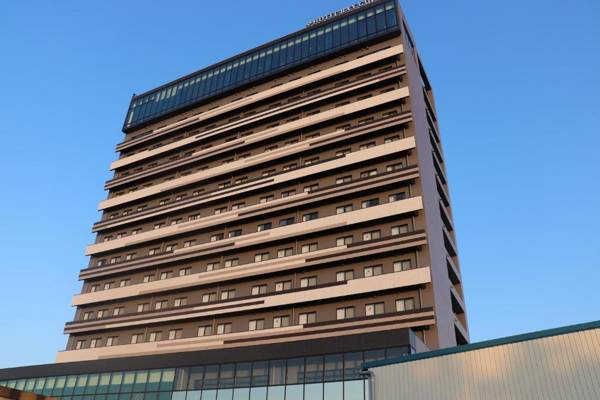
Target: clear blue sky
x=517, y=90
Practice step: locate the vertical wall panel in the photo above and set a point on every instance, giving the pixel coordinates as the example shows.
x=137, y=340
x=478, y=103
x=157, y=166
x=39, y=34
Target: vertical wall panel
x=565, y=366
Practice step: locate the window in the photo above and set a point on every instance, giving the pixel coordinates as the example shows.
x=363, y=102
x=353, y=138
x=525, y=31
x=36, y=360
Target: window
x=308, y=281
x=154, y=251
x=179, y=302
x=264, y=227
x=283, y=285
x=307, y=248
x=235, y=233
x=285, y=252
x=256, y=324
x=79, y=345
x=287, y=221
x=344, y=275
x=189, y=243
x=158, y=226
x=100, y=263
x=176, y=221
x=205, y=330
x=175, y=334
x=310, y=216
x=281, y=321
x=111, y=341
x=171, y=247
x=402, y=265
x=143, y=307
x=405, y=304
x=118, y=311
x=166, y=275
x=115, y=260
x=268, y=172
x=261, y=257
x=373, y=270
x=108, y=285
x=130, y=257
x=87, y=315
x=344, y=209
x=391, y=139
x=311, y=161
x=148, y=278
x=343, y=241
x=394, y=167
x=371, y=235
x=136, y=231
x=265, y=199
x=155, y=336
x=159, y=305
x=345, y=313
x=136, y=338
x=397, y=230
x=212, y=266
x=237, y=206
x=101, y=314
x=311, y=188
x=94, y=343
x=307, y=318
x=370, y=203
x=209, y=297
x=94, y=288
x=232, y=262
x=259, y=289
x=343, y=179
x=396, y=197
x=366, y=174
x=374, y=309
x=288, y=193
x=193, y=217
x=289, y=167
x=366, y=145
x=185, y=271
x=342, y=152
x=227, y=294
x=220, y=210
x=223, y=328
x=216, y=237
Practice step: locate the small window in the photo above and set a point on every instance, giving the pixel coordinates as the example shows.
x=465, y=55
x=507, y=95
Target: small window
x=394, y=167
x=310, y=247
x=111, y=341
x=264, y=227
x=232, y=262
x=366, y=145
x=237, y=206
x=344, y=241
x=166, y=275
x=341, y=153
x=400, y=229
x=281, y=321
x=205, y=330
x=373, y=270
x=289, y=251
x=155, y=336
x=223, y=328
x=175, y=334
x=402, y=265
x=288, y=193
x=344, y=275
x=80, y=344
x=308, y=282
x=344, y=209
x=374, y=309
x=405, y=304
x=343, y=179
x=216, y=237
x=307, y=318
x=212, y=266
x=148, y=278
x=185, y=271
x=235, y=233
x=209, y=297
x=311, y=188
x=256, y=324
x=143, y=307
x=283, y=285
x=266, y=199
x=372, y=235
x=287, y=221
x=370, y=203
x=345, y=312
x=220, y=210
x=311, y=161
x=94, y=343
x=160, y=305
x=259, y=289
x=366, y=174
x=310, y=216
x=180, y=302
x=396, y=197
x=261, y=257
x=227, y=294
x=136, y=338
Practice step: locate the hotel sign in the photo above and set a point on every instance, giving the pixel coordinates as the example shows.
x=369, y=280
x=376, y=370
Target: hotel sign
x=340, y=12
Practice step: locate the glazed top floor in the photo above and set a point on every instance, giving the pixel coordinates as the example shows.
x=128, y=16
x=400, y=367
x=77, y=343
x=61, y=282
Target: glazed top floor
x=362, y=24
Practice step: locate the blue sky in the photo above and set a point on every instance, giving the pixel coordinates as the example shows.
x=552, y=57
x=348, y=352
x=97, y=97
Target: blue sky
x=516, y=84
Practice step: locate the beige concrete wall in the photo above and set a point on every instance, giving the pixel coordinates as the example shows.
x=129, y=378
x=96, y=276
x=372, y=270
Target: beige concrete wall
x=558, y=367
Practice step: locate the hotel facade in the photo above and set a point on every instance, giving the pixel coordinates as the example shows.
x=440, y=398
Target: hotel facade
x=274, y=221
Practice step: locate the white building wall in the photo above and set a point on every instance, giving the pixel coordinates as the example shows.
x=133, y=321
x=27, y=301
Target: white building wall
x=566, y=366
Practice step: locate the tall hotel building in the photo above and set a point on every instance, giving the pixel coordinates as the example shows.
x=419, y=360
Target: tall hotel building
x=274, y=221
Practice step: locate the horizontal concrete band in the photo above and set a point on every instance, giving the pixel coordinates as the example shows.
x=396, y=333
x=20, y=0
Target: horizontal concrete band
x=253, y=211
x=395, y=280
x=418, y=318
x=241, y=143
x=330, y=222
x=384, y=123
x=259, y=158
x=265, y=94
x=313, y=259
